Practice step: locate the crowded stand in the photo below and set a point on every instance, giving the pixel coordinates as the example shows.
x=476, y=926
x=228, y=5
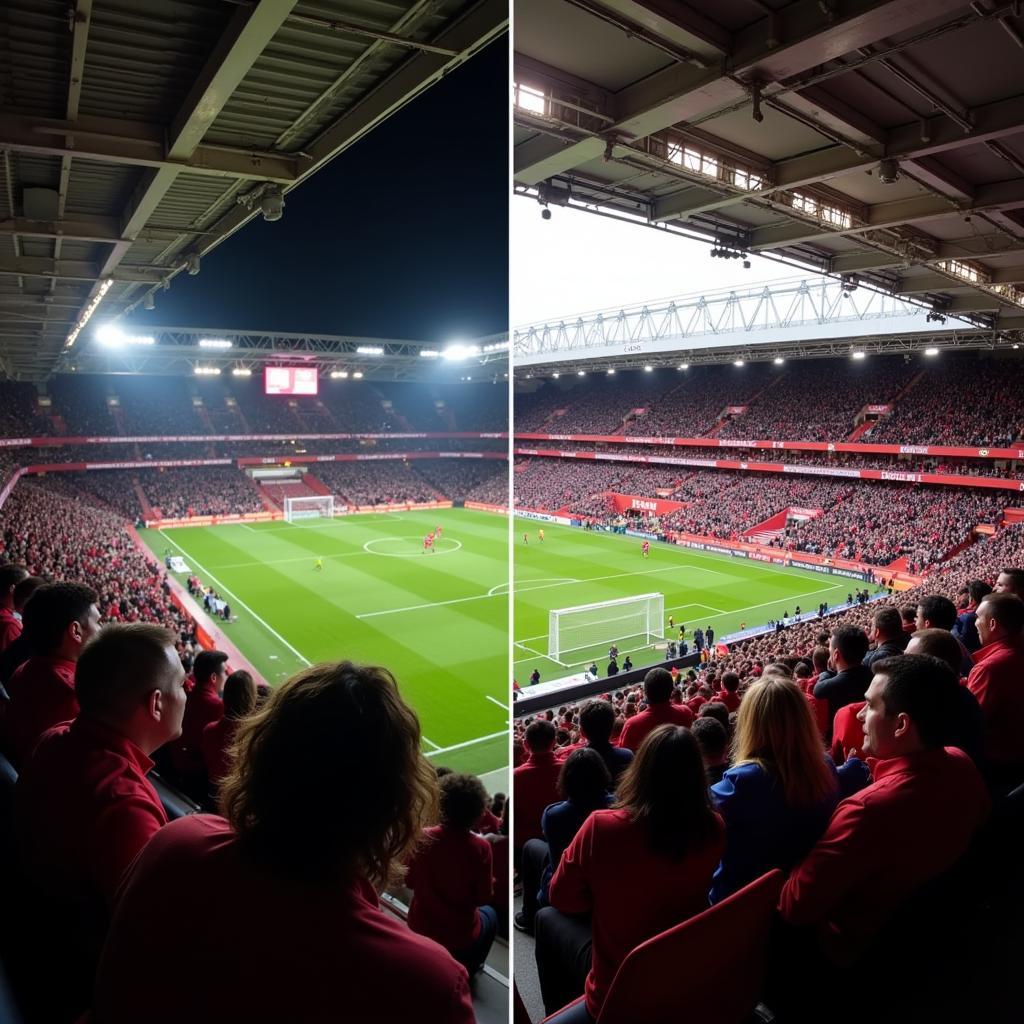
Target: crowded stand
x=958, y=403
x=459, y=479
x=376, y=483
x=200, y=491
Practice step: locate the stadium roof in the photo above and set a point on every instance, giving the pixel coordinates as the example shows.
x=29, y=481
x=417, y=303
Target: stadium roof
x=136, y=135
x=205, y=350
x=877, y=140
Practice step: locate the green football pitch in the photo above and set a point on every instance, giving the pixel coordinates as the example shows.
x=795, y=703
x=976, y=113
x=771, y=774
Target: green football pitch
x=575, y=567
x=438, y=621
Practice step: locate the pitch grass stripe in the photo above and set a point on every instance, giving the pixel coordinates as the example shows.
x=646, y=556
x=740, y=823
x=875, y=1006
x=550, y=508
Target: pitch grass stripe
x=241, y=604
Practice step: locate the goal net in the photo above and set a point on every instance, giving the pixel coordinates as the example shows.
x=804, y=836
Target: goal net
x=309, y=508
x=639, y=619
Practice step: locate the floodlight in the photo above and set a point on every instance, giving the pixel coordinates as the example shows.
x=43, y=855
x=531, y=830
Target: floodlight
x=214, y=343
x=272, y=203
x=370, y=350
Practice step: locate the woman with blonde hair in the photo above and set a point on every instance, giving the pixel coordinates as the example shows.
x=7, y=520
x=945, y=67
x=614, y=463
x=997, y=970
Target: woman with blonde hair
x=325, y=799
x=780, y=792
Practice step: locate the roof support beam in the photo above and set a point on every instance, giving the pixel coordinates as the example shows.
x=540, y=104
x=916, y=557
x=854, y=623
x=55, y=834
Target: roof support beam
x=978, y=247
x=75, y=270
x=943, y=282
x=1000, y=196
x=676, y=27
x=76, y=229
x=800, y=36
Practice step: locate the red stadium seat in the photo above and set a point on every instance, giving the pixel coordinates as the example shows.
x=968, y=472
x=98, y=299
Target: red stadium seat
x=710, y=945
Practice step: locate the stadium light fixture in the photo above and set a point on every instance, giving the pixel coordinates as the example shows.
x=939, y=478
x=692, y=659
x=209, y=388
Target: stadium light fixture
x=581, y=373
x=858, y=354
x=241, y=371
x=556, y=375
x=207, y=371
x=778, y=360
x=148, y=302
x=648, y=368
x=456, y=351
x=370, y=350
x=684, y=366
x=931, y=351
x=358, y=375
x=272, y=203
x=339, y=374
x=498, y=346
x=194, y=264
x=214, y=343
x=611, y=371
x=429, y=353
x=737, y=362
x=88, y=312
x=111, y=336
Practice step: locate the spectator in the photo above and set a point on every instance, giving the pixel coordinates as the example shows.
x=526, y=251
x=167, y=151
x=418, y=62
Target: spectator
x=60, y=619
x=597, y=720
x=217, y=737
x=910, y=825
x=966, y=630
x=11, y=574
x=717, y=710
x=1010, y=581
x=848, y=678
x=660, y=710
x=84, y=805
x=778, y=796
x=451, y=876
x=713, y=740
x=997, y=680
x=499, y=841
x=938, y=612
x=584, y=786
x=729, y=694
x=535, y=782
x=204, y=706
x=887, y=635
x=305, y=832
x=662, y=830
x=19, y=650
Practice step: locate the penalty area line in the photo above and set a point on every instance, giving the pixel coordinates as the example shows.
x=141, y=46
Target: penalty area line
x=467, y=743
x=206, y=572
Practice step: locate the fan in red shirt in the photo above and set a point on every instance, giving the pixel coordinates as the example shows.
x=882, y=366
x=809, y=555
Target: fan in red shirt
x=327, y=798
x=997, y=680
x=664, y=832
x=728, y=694
x=84, y=806
x=451, y=877
x=60, y=619
x=239, y=701
x=659, y=711
x=11, y=575
x=909, y=826
x=535, y=781
x=204, y=706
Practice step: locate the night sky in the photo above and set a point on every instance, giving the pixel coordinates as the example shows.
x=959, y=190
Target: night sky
x=404, y=235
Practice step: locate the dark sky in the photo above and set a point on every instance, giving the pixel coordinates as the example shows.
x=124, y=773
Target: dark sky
x=404, y=235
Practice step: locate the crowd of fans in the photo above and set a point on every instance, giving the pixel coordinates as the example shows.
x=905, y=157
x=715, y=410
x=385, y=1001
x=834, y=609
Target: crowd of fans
x=101, y=680
x=859, y=754
x=376, y=483
x=467, y=479
x=200, y=491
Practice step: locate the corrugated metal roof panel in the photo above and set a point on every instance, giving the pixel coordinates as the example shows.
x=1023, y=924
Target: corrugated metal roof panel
x=101, y=189
x=35, y=40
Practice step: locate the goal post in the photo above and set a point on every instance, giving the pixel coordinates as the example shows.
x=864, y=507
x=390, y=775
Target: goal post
x=309, y=507
x=584, y=626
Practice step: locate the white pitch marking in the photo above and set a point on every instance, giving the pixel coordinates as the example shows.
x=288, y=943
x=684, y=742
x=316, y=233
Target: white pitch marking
x=468, y=743
x=494, y=700
x=430, y=743
x=206, y=572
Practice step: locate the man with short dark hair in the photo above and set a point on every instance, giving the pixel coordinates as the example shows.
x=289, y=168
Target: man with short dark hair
x=11, y=574
x=535, y=781
x=660, y=710
x=1010, y=581
x=938, y=612
x=886, y=634
x=908, y=615
x=59, y=619
x=997, y=680
x=84, y=806
x=965, y=628
x=850, y=678
x=729, y=693
x=909, y=826
x=19, y=650
x=204, y=706
x=597, y=719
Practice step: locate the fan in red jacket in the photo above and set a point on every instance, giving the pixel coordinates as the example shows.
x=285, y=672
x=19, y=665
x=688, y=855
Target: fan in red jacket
x=910, y=825
x=535, y=781
x=60, y=619
x=997, y=680
x=239, y=701
x=660, y=710
x=451, y=876
x=11, y=575
x=204, y=706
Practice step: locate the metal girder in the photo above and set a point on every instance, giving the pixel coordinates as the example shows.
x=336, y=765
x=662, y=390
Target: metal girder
x=971, y=248
x=74, y=270
x=674, y=28
x=1000, y=196
x=779, y=46
x=79, y=228
x=134, y=143
x=478, y=27
x=943, y=282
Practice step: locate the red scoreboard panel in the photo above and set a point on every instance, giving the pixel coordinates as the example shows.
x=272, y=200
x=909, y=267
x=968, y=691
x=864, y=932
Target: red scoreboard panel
x=290, y=380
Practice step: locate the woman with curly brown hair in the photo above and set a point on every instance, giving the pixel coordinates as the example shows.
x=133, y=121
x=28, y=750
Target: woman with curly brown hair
x=271, y=911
